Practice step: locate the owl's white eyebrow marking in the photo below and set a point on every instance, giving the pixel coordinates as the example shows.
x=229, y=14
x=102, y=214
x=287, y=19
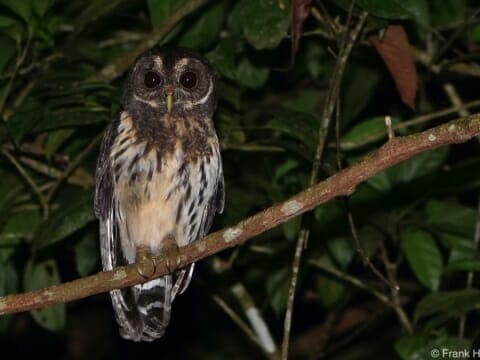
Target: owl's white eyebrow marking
x=180, y=64
x=159, y=62
x=149, y=102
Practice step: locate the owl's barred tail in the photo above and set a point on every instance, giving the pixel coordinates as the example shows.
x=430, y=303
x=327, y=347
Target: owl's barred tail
x=143, y=312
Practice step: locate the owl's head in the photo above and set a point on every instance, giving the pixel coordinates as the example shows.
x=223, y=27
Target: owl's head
x=176, y=81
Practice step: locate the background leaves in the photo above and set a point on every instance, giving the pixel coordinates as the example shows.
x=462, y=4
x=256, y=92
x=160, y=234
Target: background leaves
x=416, y=222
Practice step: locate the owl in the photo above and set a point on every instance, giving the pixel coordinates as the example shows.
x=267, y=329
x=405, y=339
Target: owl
x=159, y=180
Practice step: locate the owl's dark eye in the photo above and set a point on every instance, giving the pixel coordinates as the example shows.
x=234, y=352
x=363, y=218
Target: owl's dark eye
x=188, y=79
x=152, y=79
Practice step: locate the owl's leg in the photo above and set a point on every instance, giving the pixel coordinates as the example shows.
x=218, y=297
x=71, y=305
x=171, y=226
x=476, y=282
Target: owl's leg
x=171, y=253
x=145, y=262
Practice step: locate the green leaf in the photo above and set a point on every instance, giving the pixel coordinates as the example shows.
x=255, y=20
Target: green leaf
x=277, y=289
x=298, y=125
x=19, y=7
x=223, y=58
x=354, y=101
x=449, y=304
x=264, y=22
x=398, y=9
x=161, y=9
x=421, y=346
x=6, y=21
x=463, y=260
x=405, y=172
x=423, y=256
x=362, y=133
x=447, y=12
x=42, y=6
x=65, y=221
x=86, y=253
x=451, y=218
x=24, y=119
x=342, y=251
x=202, y=33
x=40, y=275
x=7, y=51
x=55, y=139
x=250, y=75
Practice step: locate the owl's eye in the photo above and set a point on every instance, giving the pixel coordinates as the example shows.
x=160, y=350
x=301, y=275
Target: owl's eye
x=188, y=79
x=152, y=79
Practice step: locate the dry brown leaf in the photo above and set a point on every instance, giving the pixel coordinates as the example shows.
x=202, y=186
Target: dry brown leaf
x=300, y=12
x=397, y=54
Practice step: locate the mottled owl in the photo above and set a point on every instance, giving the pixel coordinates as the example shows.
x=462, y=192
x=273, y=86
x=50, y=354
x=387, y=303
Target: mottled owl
x=159, y=179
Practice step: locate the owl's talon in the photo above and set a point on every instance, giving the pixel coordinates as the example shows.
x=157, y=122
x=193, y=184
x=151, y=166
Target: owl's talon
x=145, y=263
x=171, y=254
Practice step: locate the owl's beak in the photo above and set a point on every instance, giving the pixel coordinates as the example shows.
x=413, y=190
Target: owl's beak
x=169, y=97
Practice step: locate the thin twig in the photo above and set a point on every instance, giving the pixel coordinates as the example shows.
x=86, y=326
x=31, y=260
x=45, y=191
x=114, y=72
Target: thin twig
x=236, y=319
x=395, y=290
x=41, y=198
x=341, y=184
x=257, y=323
x=332, y=96
x=350, y=279
x=73, y=165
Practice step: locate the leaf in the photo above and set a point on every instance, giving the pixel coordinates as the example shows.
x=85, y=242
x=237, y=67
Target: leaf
x=409, y=170
x=24, y=119
x=342, y=251
x=450, y=303
x=423, y=256
x=300, y=12
x=6, y=21
x=422, y=345
x=40, y=275
x=277, y=285
x=264, y=22
x=362, y=133
x=397, y=9
x=463, y=259
x=65, y=221
x=161, y=9
x=397, y=54
x=19, y=7
x=202, y=33
x=54, y=141
x=86, y=254
x=250, y=75
x=7, y=50
x=451, y=217
x=353, y=101
x=42, y=6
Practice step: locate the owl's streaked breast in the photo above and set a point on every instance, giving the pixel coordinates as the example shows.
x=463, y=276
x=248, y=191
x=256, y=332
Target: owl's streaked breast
x=161, y=193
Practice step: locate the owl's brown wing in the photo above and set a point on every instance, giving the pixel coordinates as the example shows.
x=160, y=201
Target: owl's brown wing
x=215, y=205
x=106, y=208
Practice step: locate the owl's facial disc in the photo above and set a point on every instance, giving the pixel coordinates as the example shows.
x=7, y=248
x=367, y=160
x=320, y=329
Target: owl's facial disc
x=172, y=81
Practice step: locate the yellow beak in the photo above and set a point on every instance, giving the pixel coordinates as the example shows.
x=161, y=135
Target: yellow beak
x=169, y=97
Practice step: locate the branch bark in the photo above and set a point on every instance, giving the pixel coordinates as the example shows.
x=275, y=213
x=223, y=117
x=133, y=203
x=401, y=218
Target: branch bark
x=341, y=184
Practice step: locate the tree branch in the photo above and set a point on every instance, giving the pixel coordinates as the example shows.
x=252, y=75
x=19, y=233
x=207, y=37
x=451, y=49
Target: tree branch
x=341, y=184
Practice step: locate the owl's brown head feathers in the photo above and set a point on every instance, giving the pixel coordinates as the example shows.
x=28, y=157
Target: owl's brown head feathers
x=175, y=81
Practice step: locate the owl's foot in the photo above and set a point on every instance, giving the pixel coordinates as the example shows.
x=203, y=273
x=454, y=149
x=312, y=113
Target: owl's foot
x=145, y=262
x=171, y=253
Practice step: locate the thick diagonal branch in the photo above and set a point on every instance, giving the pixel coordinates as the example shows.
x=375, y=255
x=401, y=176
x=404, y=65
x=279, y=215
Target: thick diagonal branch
x=341, y=184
